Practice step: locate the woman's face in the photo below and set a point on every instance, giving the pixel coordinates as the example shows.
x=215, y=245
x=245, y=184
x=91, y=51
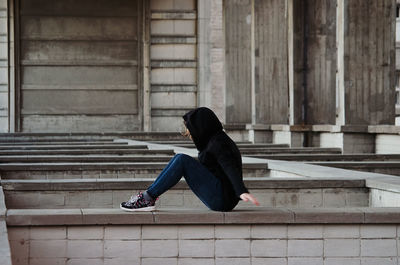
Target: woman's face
x=185, y=131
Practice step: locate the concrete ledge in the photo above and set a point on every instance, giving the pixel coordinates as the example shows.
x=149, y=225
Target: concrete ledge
x=139, y=184
x=66, y=147
x=384, y=129
x=173, y=64
x=99, y=166
x=3, y=208
x=115, y=151
x=355, y=128
x=330, y=157
x=83, y=158
x=48, y=217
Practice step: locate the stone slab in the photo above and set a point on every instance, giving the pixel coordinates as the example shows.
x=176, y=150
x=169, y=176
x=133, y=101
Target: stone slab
x=259, y=216
x=28, y=217
x=184, y=216
x=143, y=183
x=328, y=215
x=115, y=216
x=384, y=215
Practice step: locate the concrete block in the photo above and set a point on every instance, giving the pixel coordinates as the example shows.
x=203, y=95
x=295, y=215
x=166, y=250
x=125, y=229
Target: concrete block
x=310, y=198
x=171, y=100
x=18, y=233
x=380, y=261
x=120, y=248
x=342, y=261
x=159, y=232
x=341, y=247
x=100, y=199
x=173, y=51
x=334, y=198
x=232, y=231
x=85, y=232
x=48, y=233
x=197, y=261
x=159, y=248
x=122, y=232
x=196, y=232
x=48, y=261
x=84, y=261
x=305, y=261
x=232, y=261
x=157, y=261
x=269, y=231
x=173, y=76
x=196, y=248
x=378, y=231
x=341, y=231
x=378, y=248
x=269, y=248
x=85, y=249
x=232, y=248
x=119, y=261
x=19, y=251
x=305, y=231
x=305, y=248
x=269, y=261
x=48, y=249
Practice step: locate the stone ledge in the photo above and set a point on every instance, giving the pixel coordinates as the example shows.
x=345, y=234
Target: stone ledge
x=68, y=147
x=253, y=215
x=187, y=15
x=355, y=128
x=82, y=158
x=384, y=129
x=86, y=152
x=141, y=183
x=3, y=208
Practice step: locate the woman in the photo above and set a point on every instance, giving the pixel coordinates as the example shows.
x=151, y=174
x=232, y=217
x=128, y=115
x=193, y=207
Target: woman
x=216, y=178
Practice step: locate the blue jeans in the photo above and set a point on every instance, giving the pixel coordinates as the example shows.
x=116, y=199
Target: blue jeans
x=201, y=181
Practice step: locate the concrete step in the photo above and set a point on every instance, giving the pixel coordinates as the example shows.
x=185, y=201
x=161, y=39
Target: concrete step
x=109, y=193
x=330, y=157
x=302, y=150
x=67, y=142
x=101, y=170
x=115, y=151
x=83, y=158
x=90, y=136
x=384, y=167
x=71, y=146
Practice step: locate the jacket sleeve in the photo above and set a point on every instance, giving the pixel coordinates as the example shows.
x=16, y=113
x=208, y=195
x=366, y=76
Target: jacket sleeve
x=231, y=170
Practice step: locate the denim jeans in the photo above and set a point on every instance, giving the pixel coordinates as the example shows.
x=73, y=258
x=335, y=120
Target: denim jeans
x=201, y=181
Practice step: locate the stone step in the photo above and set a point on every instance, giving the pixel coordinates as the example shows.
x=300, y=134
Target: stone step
x=384, y=167
x=109, y=193
x=72, y=146
x=67, y=142
x=241, y=145
x=115, y=151
x=101, y=170
x=90, y=136
x=175, y=216
x=330, y=157
x=302, y=150
x=83, y=158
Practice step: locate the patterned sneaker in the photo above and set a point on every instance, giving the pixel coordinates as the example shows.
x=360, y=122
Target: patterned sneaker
x=138, y=203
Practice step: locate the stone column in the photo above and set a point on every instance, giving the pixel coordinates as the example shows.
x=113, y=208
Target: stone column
x=211, y=56
x=4, y=88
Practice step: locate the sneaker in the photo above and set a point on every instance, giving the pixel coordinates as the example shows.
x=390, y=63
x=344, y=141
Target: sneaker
x=138, y=203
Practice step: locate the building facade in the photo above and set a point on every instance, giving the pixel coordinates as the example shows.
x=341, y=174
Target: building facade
x=139, y=65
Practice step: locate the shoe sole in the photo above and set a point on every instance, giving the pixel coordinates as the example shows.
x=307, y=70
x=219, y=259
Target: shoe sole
x=144, y=209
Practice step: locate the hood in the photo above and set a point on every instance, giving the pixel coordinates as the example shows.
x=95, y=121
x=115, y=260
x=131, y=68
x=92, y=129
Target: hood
x=202, y=124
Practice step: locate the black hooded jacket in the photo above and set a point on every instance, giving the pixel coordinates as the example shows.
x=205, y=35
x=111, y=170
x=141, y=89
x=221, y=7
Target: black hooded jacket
x=217, y=152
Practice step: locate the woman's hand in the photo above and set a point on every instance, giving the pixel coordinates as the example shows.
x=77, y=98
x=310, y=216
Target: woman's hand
x=248, y=197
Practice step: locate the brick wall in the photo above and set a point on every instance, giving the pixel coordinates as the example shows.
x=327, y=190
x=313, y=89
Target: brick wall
x=206, y=244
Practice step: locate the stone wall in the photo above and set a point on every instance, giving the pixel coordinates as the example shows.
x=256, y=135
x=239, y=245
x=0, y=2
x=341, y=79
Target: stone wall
x=206, y=244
